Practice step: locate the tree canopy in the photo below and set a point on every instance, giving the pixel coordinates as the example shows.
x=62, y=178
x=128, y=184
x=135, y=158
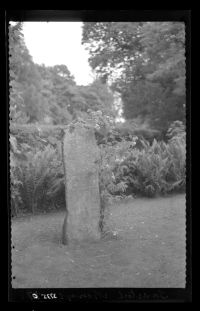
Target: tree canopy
x=142, y=61
x=145, y=63
x=49, y=95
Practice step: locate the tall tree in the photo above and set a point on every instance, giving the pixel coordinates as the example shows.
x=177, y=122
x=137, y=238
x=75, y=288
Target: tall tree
x=49, y=94
x=55, y=81
x=141, y=59
x=26, y=103
x=15, y=59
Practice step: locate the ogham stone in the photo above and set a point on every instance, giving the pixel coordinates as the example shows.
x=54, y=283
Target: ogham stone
x=80, y=157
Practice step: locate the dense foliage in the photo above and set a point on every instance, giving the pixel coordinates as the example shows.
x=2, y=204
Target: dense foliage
x=49, y=95
x=126, y=167
x=137, y=159
x=145, y=63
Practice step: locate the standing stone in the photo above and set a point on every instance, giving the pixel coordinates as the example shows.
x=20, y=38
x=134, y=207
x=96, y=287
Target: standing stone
x=80, y=156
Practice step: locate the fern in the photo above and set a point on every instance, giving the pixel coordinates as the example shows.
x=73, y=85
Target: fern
x=156, y=169
x=40, y=178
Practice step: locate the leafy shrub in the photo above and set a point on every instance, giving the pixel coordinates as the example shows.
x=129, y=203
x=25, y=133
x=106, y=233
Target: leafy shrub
x=41, y=178
x=139, y=128
x=111, y=184
x=125, y=167
x=176, y=130
x=36, y=176
x=37, y=137
x=157, y=168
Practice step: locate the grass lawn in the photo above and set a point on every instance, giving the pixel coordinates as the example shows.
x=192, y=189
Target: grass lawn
x=148, y=251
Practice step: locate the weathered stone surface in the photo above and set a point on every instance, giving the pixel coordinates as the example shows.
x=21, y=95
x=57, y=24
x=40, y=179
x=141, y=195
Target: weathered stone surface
x=82, y=186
